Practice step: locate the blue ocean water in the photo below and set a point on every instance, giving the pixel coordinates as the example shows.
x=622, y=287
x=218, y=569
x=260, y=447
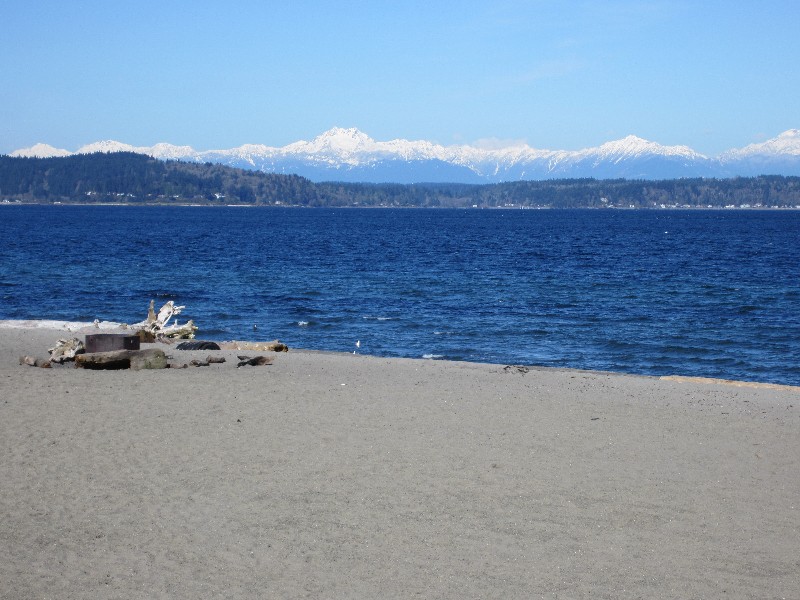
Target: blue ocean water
x=705, y=293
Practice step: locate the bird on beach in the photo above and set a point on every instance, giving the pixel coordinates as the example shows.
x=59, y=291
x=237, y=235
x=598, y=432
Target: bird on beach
x=358, y=345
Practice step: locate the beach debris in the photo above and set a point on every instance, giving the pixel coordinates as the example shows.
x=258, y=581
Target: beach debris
x=255, y=361
x=157, y=323
x=209, y=360
x=197, y=345
x=152, y=358
x=32, y=361
x=146, y=337
x=65, y=350
x=273, y=346
x=106, y=342
x=521, y=369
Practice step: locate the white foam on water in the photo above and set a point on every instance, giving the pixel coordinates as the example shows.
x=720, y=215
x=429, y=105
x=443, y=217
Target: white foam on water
x=64, y=325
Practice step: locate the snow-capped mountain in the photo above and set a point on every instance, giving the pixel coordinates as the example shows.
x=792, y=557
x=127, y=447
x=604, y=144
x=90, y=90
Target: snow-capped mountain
x=41, y=151
x=786, y=143
x=777, y=155
x=351, y=155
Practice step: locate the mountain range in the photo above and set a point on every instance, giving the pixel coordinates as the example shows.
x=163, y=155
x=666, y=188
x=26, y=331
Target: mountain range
x=350, y=155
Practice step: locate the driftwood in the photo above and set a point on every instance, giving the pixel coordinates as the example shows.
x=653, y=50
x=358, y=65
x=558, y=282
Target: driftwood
x=152, y=358
x=255, y=361
x=65, y=350
x=156, y=324
x=197, y=362
x=32, y=361
x=274, y=346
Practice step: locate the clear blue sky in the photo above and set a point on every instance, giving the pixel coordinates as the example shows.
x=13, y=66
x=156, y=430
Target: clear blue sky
x=560, y=75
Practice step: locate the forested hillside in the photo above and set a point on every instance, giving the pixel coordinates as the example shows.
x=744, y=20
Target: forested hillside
x=139, y=179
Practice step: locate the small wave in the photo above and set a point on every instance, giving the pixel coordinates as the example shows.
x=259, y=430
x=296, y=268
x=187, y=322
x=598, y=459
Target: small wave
x=433, y=356
x=380, y=318
x=303, y=323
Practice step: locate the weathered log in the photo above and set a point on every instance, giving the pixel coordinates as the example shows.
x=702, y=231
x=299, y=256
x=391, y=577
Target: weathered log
x=178, y=331
x=151, y=314
x=152, y=358
x=115, y=359
x=209, y=360
x=157, y=323
x=274, y=346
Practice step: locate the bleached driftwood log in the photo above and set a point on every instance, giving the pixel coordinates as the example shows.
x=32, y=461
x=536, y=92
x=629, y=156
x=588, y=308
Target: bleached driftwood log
x=65, y=350
x=157, y=323
x=275, y=346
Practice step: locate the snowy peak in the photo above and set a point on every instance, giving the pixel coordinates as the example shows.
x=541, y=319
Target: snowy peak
x=335, y=143
x=40, y=151
x=635, y=147
x=105, y=146
x=166, y=151
x=346, y=140
x=787, y=144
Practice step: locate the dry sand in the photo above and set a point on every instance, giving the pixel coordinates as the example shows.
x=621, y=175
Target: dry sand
x=341, y=476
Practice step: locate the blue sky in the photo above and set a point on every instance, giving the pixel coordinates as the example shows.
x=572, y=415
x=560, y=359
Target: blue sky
x=558, y=75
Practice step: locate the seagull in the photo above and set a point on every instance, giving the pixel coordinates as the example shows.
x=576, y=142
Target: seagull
x=358, y=345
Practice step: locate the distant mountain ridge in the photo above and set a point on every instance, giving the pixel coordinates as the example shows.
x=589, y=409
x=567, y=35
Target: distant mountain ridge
x=350, y=155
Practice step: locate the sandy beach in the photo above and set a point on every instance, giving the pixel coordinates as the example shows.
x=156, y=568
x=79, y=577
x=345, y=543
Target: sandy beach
x=347, y=476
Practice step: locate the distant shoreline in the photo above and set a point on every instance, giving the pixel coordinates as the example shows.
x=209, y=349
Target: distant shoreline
x=130, y=178
x=509, y=208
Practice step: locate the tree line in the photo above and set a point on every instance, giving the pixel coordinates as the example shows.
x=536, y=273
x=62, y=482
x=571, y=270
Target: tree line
x=138, y=179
